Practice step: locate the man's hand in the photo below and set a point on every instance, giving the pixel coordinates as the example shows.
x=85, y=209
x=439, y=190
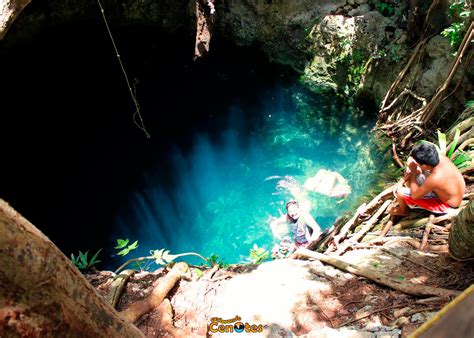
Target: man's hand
x=413, y=166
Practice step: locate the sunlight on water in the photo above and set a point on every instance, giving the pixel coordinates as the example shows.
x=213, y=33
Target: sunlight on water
x=231, y=183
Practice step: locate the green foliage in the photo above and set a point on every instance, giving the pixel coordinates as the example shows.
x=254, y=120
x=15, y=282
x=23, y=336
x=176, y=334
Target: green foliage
x=124, y=249
x=258, y=255
x=454, y=143
x=400, y=277
x=198, y=272
x=355, y=62
x=469, y=104
x=442, y=142
x=82, y=261
x=461, y=159
x=385, y=8
x=460, y=13
x=160, y=257
x=216, y=260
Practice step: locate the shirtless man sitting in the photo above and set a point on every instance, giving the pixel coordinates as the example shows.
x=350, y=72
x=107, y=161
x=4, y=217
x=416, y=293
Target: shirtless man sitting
x=440, y=191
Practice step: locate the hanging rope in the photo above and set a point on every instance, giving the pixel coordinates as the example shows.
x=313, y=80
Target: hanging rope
x=140, y=124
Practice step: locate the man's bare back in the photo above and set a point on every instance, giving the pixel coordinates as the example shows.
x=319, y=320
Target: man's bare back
x=447, y=182
x=442, y=190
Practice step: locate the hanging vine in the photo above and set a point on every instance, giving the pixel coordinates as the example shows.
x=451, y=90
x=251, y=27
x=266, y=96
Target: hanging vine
x=137, y=116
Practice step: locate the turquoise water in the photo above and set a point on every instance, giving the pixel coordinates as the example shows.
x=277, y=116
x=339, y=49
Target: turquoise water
x=219, y=195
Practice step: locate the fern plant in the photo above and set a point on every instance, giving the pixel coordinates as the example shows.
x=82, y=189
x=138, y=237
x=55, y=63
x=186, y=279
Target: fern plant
x=461, y=159
x=82, y=262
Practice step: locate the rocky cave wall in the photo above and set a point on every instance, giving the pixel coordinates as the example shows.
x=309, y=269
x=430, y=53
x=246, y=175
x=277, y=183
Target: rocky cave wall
x=347, y=46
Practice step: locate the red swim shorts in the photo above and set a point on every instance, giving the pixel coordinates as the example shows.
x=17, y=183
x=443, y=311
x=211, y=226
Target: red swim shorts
x=428, y=202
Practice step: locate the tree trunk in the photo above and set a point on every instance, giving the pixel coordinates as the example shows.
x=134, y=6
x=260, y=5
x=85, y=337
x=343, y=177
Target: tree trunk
x=42, y=294
x=9, y=10
x=461, y=236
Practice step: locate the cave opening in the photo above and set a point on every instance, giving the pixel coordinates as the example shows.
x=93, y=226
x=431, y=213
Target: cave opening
x=233, y=137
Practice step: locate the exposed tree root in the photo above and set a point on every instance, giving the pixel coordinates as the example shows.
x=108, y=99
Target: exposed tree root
x=137, y=309
x=462, y=126
x=393, y=253
x=366, y=228
x=432, y=106
x=426, y=233
x=165, y=312
x=418, y=49
x=387, y=227
x=118, y=284
x=377, y=276
x=395, y=156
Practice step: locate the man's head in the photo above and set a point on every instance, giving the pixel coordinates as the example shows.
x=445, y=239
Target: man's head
x=425, y=153
x=293, y=209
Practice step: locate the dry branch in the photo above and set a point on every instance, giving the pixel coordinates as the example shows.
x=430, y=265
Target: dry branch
x=430, y=248
x=426, y=233
x=366, y=228
x=405, y=92
x=346, y=228
x=384, y=194
x=395, y=156
x=387, y=227
x=377, y=276
x=322, y=242
x=137, y=309
x=366, y=314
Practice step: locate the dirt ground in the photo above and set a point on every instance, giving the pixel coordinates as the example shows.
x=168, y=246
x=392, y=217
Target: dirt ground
x=302, y=298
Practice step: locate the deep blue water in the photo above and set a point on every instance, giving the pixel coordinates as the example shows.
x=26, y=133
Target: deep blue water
x=241, y=170
x=233, y=138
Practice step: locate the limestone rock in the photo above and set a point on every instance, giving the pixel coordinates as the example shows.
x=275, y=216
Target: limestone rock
x=9, y=10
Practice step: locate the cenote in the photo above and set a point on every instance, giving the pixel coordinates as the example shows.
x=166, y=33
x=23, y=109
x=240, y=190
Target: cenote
x=233, y=137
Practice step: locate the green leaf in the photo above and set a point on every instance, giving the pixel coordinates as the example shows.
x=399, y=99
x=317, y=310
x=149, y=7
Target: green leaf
x=461, y=160
x=198, y=272
x=93, y=259
x=121, y=243
x=83, y=257
x=160, y=261
x=133, y=246
x=470, y=103
x=399, y=277
x=454, y=143
x=123, y=252
x=442, y=142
